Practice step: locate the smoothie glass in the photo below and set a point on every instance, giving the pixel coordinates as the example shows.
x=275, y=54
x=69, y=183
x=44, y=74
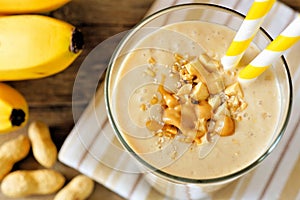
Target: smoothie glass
x=169, y=184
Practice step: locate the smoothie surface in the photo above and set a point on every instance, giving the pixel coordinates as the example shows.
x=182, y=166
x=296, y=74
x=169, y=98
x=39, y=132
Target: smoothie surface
x=142, y=117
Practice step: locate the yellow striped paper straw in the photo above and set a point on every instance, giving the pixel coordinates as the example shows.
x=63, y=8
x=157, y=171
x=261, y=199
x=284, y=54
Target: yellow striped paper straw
x=246, y=32
x=289, y=37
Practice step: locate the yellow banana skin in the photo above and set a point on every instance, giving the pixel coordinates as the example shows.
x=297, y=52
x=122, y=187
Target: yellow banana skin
x=29, y=6
x=36, y=46
x=13, y=109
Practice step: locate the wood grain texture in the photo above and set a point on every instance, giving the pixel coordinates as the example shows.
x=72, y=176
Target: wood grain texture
x=50, y=99
x=295, y=4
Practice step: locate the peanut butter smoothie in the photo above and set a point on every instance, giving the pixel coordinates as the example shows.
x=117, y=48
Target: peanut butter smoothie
x=182, y=113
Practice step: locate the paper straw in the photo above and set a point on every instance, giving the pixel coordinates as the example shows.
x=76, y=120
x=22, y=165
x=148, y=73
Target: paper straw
x=289, y=37
x=246, y=32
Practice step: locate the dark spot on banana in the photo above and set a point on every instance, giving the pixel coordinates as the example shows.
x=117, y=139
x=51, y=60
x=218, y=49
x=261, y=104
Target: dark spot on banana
x=17, y=117
x=77, y=41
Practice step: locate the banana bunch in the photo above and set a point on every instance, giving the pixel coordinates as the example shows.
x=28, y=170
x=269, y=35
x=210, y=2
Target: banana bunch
x=36, y=46
x=31, y=46
x=13, y=108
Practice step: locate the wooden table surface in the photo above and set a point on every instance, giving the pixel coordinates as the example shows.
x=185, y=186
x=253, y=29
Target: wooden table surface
x=50, y=99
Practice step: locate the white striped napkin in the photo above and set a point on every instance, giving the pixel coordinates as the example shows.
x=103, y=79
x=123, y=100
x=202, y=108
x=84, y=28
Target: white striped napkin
x=92, y=148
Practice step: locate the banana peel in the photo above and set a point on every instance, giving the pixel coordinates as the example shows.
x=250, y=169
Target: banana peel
x=29, y=6
x=13, y=109
x=36, y=46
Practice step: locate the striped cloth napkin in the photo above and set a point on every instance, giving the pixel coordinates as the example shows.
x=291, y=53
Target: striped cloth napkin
x=92, y=148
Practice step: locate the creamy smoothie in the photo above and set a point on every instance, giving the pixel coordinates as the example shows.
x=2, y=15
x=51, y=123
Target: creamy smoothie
x=182, y=113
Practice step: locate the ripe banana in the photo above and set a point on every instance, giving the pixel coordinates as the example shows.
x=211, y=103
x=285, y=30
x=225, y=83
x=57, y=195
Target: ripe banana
x=13, y=109
x=29, y=6
x=36, y=46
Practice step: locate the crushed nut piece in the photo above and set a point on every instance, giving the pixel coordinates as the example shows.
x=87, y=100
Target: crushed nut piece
x=228, y=128
x=200, y=92
x=143, y=107
x=234, y=90
x=203, y=110
x=191, y=69
x=175, y=68
x=238, y=118
x=151, y=61
x=154, y=100
x=170, y=129
x=178, y=57
x=243, y=106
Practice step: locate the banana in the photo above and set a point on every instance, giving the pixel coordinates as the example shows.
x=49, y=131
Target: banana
x=29, y=6
x=36, y=46
x=13, y=109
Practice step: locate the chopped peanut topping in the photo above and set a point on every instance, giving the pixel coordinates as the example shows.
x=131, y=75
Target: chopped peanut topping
x=170, y=129
x=243, y=105
x=228, y=128
x=234, y=90
x=192, y=70
x=200, y=92
x=201, y=105
x=178, y=57
x=203, y=110
x=151, y=61
x=143, y=107
x=154, y=100
x=175, y=68
x=186, y=76
x=235, y=100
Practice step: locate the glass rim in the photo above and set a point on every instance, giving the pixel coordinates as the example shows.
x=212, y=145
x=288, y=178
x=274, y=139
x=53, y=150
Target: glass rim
x=159, y=171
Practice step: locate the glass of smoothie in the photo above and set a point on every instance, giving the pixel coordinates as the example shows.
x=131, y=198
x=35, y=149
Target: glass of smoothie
x=191, y=126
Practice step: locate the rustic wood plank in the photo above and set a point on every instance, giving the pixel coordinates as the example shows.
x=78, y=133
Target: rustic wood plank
x=295, y=4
